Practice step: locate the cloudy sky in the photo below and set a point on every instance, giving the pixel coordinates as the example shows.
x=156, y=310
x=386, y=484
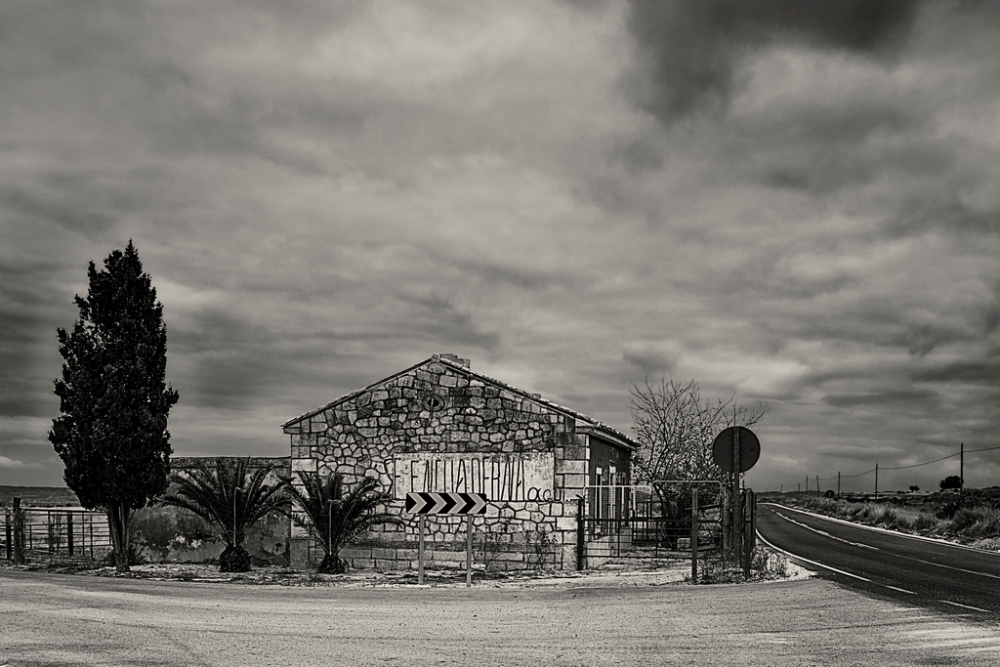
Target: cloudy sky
x=791, y=203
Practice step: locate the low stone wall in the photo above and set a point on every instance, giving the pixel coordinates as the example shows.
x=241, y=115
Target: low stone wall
x=486, y=555
x=174, y=535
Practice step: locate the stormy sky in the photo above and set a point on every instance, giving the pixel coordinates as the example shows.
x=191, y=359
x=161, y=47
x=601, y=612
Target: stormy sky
x=790, y=203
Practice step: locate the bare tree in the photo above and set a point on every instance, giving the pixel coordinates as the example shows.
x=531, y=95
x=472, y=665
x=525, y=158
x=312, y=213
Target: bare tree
x=675, y=428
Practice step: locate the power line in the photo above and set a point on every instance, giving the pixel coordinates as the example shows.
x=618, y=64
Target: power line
x=926, y=463
x=915, y=465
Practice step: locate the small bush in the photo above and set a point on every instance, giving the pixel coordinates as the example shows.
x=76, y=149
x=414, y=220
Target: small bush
x=765, y=565
x=977, y=522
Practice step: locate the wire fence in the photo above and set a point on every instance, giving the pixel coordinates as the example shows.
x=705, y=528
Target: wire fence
x=54, y=534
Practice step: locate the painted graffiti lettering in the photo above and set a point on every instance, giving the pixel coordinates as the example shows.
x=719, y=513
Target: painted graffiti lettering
x=512, y=477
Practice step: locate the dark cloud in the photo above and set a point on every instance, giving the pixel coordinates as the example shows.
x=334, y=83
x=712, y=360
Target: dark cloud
x=435, y=318
x=650, y=360
x=689, y=52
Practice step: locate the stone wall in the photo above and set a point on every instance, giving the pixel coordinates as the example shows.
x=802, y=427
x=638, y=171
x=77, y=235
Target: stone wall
x=442, y=407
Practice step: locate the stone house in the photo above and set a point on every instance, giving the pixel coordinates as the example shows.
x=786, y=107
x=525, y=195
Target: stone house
x=440, y=426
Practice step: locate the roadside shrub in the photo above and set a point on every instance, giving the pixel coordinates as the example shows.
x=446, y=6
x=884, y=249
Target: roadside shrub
x=765, y=565
x=977, y=522
x=925, y=522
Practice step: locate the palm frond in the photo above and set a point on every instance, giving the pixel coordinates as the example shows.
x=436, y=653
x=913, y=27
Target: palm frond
x=228, y=495
x=334, y=516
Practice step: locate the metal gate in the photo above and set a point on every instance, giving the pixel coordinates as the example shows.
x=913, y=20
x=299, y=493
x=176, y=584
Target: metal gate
x=55, y=534
x=664, y=521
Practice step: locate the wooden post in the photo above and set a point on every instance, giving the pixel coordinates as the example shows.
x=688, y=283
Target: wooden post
x=468, y=550
x=420, y=552
x=18, y=532
x=694, y=535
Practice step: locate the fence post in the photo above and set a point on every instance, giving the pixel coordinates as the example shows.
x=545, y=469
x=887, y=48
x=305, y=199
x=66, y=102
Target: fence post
x=694, y=535
x=18, y=532
x=581, y=545
x=69, y=533
x=9, y=535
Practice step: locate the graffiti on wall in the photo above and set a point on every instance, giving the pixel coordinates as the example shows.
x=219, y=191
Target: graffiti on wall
x=525, y=476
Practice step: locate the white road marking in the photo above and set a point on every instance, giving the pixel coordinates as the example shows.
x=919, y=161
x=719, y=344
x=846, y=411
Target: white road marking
x=823, y=532
x=806, y=560
x=901, y=590
x=965, y=606
x=866, y=546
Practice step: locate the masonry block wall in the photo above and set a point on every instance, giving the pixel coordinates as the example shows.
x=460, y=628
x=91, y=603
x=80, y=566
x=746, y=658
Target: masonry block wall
x=438, y=426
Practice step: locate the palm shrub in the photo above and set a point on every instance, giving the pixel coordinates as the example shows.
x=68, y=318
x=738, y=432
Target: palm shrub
x=231, y=496
x=335, y=516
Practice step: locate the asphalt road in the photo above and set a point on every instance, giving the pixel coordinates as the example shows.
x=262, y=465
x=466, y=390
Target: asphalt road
x=48, y=619
x=912, y=570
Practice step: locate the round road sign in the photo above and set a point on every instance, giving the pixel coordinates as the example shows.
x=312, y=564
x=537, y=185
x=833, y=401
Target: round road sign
x=722, y=448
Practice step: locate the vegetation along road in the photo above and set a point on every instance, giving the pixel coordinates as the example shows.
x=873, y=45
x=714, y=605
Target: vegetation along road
x=912, y=570
x=51, y=619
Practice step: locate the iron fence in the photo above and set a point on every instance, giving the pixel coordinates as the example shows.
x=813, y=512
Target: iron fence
x=54, y=534
x=662, y=521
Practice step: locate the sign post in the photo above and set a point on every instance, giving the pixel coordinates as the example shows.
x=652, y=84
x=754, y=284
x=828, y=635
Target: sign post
x=737, y=514
x=423, y=503
x=420, y=552
x=736, y=450
x=468, y=550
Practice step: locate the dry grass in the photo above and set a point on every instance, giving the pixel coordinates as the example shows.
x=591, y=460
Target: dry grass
x=972, y=522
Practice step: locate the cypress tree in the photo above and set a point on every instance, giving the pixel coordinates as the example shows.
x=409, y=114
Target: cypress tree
x=114, y=402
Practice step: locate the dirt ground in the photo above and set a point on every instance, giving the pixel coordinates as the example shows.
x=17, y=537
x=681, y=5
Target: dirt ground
x=608, y=618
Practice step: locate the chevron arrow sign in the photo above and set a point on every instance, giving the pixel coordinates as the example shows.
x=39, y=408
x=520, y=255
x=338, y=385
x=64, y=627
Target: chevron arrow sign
x=430, y=502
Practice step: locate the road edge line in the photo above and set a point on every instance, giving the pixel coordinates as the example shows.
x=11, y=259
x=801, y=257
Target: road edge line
x=932, y=540
x=811, y=562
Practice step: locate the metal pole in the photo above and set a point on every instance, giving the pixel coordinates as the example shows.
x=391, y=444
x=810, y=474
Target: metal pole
x=694, y=535
x=737, y=514
x=581, y=558
x=69, y=533
x=468, y=550
x=420, y=553
x=9, y=534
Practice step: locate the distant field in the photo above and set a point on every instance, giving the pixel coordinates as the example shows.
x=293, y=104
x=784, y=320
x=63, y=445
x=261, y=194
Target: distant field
x=37, y=495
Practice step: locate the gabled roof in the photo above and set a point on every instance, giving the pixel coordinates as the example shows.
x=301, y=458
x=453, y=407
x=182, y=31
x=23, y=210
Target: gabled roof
x=455, y=364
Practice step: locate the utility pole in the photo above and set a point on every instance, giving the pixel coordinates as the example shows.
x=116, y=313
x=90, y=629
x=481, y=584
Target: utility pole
x=838, y=482
x=817, y=486
x=876, y=481
x=961, y=469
